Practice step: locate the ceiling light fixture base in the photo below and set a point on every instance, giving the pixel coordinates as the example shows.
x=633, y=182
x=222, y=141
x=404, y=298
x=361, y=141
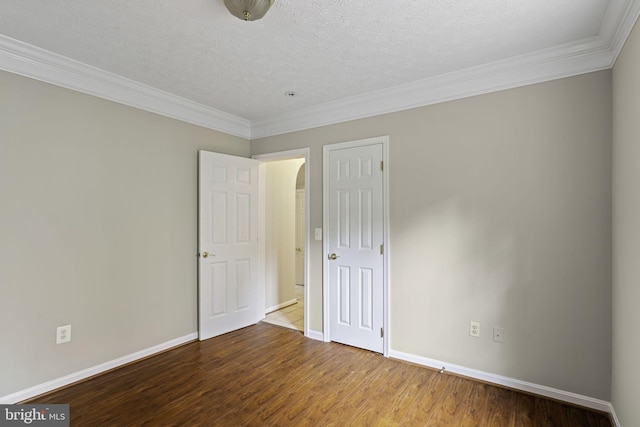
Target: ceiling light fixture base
x=248, y=10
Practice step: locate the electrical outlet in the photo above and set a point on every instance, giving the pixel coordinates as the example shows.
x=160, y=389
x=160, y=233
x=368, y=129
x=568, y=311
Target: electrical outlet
x=474, y=329
x=63, y=334
x=498, y=334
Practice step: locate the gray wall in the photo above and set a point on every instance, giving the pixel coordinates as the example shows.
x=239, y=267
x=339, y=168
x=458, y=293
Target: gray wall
x=97, y=229
x=626, y=232
x=500, y=213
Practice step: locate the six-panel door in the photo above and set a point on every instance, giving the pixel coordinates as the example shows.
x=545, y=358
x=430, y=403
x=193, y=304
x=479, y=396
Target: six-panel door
x=356, y=238
x=228, y=243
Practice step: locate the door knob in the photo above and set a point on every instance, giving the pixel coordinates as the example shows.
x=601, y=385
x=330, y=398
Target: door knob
x=206, y=254
x=333, y=256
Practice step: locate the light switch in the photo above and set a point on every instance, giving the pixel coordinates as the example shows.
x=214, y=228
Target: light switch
x=318, y=233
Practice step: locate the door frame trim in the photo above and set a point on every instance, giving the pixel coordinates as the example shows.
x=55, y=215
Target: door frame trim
x=271, y=157
x=326, y=150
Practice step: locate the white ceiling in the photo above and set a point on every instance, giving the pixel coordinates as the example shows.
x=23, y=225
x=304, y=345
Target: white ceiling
x=344, y=58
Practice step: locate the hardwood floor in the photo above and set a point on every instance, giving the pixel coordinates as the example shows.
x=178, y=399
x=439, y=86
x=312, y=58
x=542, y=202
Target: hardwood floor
x=266, y=375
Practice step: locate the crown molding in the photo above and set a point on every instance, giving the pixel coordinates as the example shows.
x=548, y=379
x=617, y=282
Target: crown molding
x=30, y=61
x=569, y=60
x=589, y=55
x=618, y=23
x=594, y=54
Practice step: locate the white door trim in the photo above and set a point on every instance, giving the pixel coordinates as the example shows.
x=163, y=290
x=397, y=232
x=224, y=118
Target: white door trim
x=384, y=140
x=269, y=157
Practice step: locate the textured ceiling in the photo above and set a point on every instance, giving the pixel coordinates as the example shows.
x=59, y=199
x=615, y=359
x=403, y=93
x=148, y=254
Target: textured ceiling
x=324, y=50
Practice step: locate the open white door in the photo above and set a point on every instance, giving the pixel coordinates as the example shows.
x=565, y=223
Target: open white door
x=354, y=227
x=228, y=243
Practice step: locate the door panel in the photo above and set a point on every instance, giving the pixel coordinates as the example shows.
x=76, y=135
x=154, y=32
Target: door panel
x=344, y=295
x=355, y=235
x=366, y=219
x=228, y=243
x=217, y=283
x=366, y=299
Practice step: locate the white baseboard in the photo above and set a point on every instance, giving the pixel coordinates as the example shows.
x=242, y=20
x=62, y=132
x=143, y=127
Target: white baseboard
x=281, y=305
x=513, y=383
x=315, y=335
x=614, y=417
x=89, y=372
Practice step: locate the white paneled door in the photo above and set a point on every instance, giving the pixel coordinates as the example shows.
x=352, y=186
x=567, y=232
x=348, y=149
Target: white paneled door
x=228, y=243
x=354, y=245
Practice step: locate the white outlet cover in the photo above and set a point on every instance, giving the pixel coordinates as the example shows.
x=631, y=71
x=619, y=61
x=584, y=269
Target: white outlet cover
x=63, y=334
x=474, y=329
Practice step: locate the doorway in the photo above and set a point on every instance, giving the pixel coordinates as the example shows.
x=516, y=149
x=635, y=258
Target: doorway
x=285, y=227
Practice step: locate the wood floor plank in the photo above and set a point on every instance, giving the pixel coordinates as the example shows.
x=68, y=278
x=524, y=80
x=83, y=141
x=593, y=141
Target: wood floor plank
x=265, y=375
x=407, y=399
x=383, y=395
x=320, y=381
x=599, y=419
x=451, y=409
x=324, y=397
x=525, y=414
x=558, y=413
x=347, y=397
x=429, y=396
x=475, y=405
x=500, y=408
